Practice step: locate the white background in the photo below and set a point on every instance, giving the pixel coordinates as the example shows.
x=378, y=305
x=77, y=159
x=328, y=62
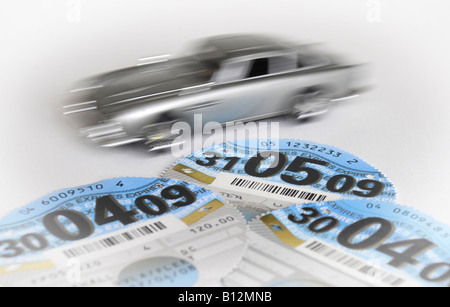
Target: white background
x=400, y=127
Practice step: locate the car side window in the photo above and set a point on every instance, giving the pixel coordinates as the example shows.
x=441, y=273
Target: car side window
x=246, y=69
x=272, y=65
x=230, y=72
x=259, y=67
x=282, y=63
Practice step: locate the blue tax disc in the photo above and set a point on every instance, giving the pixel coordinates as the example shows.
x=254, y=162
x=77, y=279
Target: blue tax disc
x=101, y=234
x=346, y=243
x=274, y=174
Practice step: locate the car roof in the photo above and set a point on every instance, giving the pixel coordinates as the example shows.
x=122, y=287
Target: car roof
x=227, y=47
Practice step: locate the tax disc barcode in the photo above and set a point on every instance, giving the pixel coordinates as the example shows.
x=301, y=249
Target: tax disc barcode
x=111, y=241
x=369, y=272
x=277, y=190
x=261, y=189
x=119, y=240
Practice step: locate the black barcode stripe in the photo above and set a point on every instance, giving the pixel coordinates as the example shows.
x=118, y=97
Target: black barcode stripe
x=278, y=190
x=112, y=241
x=354, y=263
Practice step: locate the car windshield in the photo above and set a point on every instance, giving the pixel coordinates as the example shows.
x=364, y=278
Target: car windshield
x=207, y=55
x=200, y=62
x=198, y=72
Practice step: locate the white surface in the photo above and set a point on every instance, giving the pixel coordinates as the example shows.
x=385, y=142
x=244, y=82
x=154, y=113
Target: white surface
x=401, y=127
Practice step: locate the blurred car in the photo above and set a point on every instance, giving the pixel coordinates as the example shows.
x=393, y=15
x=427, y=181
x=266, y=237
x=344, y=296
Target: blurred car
x=225, y=79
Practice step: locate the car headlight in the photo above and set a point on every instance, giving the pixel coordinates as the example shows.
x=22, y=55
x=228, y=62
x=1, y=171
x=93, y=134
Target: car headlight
x=104, y=131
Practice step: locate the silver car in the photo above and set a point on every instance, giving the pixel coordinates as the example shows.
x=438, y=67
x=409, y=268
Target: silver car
x=225, y=79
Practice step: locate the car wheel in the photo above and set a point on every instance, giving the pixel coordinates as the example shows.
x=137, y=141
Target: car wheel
x=312, y=102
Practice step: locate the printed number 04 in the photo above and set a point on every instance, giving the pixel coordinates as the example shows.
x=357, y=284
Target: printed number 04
x=109, y=210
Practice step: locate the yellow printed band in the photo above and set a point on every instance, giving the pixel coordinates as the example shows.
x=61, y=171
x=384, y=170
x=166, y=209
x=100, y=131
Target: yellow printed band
x=186, y=170
x=25, y=267
x=281, y=231
x=202, y=212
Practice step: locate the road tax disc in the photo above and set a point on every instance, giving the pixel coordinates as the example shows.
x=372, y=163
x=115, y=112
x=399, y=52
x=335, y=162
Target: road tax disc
x=269, y=175
x=122, y=232
x=345, y=243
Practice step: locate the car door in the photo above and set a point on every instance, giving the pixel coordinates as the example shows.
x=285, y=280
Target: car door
x=222, y=100
x=241, y=89
x=256, y=89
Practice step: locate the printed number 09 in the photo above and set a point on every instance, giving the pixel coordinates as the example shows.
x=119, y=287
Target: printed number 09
x=338, y=183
